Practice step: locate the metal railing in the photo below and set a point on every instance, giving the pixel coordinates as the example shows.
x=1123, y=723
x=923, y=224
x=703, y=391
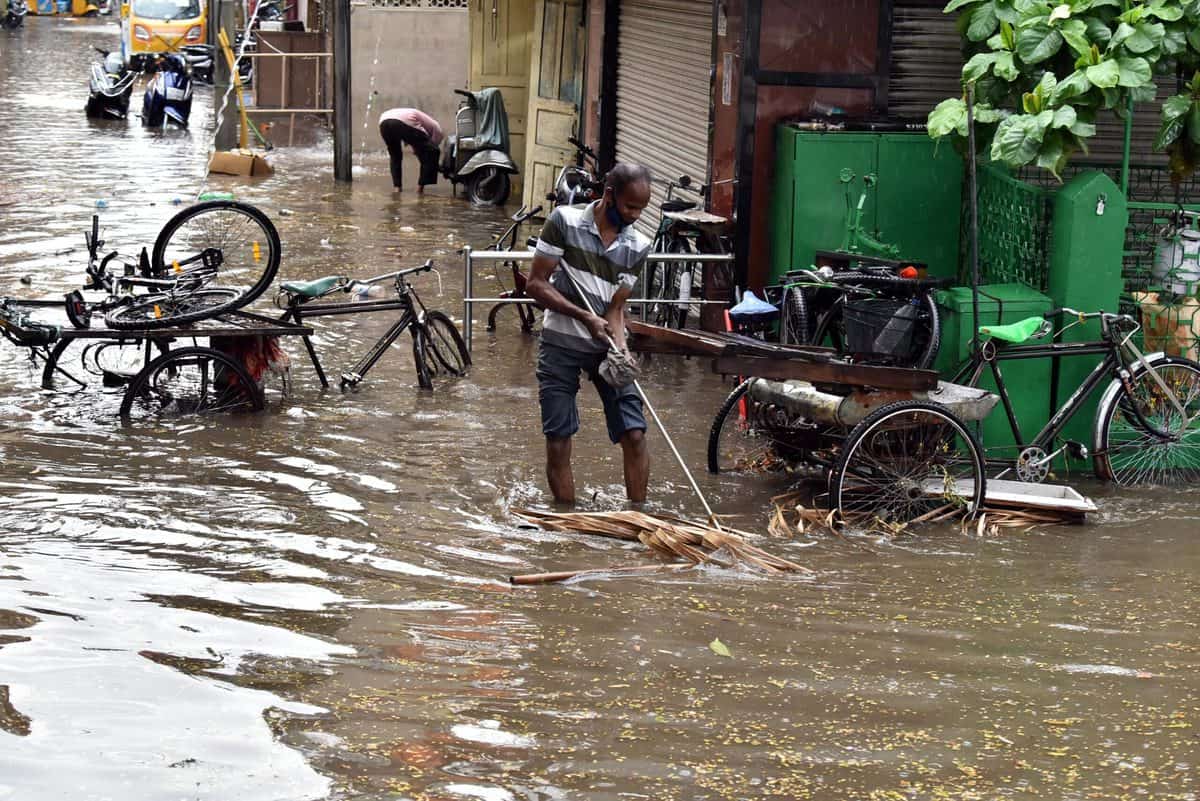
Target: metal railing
x=471, y=256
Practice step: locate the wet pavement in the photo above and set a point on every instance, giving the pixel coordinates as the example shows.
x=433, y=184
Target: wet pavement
x=311, y=602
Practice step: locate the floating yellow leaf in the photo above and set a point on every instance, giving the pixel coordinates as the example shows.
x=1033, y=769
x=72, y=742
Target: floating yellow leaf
x=720, y=649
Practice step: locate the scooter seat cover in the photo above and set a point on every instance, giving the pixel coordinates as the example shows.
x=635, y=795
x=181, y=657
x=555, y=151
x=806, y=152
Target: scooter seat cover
x=314, y=288
x=1014, y=333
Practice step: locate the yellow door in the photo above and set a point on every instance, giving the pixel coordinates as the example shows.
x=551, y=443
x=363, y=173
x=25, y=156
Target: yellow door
x=500, y=35
x=555, y=88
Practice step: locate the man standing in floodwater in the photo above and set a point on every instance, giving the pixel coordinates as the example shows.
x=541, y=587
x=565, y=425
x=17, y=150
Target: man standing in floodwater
x=595, y=250
x=415, y=128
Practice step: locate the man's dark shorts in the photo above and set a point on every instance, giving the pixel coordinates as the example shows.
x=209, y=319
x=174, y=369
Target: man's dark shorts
x=558, y=372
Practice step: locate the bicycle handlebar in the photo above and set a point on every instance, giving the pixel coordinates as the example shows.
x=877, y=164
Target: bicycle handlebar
x=426, y=267
x=1066, y=311
x=581, y=147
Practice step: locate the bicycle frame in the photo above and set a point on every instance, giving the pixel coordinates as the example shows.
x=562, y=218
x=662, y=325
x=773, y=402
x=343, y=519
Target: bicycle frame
x=1112, y=367
x=973, y=368
x=406, y=300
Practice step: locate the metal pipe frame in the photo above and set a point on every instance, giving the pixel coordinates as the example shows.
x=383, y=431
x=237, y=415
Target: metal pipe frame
x=471, y=256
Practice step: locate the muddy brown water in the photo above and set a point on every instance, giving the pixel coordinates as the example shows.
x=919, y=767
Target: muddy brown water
x=311, y=603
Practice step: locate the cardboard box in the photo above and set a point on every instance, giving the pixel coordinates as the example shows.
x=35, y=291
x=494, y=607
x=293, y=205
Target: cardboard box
x=239, y=162
x=1172, y=328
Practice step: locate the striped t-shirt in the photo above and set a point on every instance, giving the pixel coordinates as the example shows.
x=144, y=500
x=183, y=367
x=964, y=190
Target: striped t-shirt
x=572, y=236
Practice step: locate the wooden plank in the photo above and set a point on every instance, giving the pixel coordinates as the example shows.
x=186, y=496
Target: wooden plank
x=670, y=340
x=827, y=372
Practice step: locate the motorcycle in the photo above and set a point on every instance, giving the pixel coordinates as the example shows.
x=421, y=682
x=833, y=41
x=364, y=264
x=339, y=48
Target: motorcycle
x=477, y=154
x=14, y=17
x=110, y=87
x=168, y=96
x=581, y=182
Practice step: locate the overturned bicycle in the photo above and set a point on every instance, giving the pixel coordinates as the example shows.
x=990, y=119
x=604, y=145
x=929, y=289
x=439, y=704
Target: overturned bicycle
x=170, y=327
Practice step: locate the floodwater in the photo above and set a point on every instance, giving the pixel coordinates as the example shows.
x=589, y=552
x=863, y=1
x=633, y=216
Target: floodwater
x=311, y=603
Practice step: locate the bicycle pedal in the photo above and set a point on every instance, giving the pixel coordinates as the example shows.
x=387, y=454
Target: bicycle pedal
x=1077, y=450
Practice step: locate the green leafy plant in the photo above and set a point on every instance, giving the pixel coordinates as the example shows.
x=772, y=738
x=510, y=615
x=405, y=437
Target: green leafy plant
x=1180, y=131
x=1043, y=71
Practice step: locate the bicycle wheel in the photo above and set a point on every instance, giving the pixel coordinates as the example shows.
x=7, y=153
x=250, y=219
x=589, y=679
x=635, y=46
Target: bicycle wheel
x=224, y=242
x=191, y=381
x=1129, y=453
x=830, y=331
x=446, y=344
x=796, y=319
x=905, y=460
x=161, y=311
x=423, y=358
x=927, y=335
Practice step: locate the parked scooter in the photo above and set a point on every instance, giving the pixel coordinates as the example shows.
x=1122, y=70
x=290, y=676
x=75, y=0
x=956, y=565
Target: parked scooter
x=168, y=96
x=477, y=154
x=110, y=87
x=14, y=17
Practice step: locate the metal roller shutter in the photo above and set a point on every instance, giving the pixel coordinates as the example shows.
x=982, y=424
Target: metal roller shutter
x=663, y=69
x=926, y=60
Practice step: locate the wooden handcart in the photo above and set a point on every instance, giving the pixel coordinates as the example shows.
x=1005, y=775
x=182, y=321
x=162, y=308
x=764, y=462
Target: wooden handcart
x=890, y=444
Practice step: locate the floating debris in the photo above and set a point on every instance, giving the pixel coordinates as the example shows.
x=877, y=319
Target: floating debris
x=694, y=543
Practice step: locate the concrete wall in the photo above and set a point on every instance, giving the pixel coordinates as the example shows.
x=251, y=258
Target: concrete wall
x=417, y=57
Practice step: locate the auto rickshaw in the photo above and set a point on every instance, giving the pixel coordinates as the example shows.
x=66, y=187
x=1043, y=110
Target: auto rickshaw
x=153, y=27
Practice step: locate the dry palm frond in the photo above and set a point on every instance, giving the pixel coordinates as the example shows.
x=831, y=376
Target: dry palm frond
x=694, y=543
x=790, y=517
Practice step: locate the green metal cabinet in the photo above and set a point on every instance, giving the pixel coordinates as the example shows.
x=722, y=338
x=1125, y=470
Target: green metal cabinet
x=915, y=205
x=1028, y=380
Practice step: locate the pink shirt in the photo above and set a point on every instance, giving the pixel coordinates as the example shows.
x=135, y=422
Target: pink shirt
x=415, y=118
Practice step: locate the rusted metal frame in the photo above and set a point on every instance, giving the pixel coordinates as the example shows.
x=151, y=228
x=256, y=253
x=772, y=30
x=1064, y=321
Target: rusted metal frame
x=831, y=372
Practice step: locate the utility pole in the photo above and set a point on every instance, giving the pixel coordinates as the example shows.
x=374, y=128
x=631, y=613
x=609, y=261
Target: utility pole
x=342, y=150
x=227, y=133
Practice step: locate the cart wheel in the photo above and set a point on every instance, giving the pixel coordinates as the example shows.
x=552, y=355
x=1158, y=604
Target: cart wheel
x=188, y=382
x=907, y=460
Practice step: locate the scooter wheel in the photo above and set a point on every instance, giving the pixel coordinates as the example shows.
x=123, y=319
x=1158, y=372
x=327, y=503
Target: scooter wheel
x=488, y=186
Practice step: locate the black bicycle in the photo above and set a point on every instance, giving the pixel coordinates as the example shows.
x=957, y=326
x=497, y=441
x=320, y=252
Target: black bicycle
x=438, y=347
x=870, y=313
x=682, y=229
x=516, y=296
x=1147, y=428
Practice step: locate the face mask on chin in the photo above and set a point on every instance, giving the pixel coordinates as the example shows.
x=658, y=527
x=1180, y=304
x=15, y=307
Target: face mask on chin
x=614, y=217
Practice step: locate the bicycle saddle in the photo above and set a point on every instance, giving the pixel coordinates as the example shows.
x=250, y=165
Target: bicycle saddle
x=314, y=288
x=1014, y=333
x=678, y=205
